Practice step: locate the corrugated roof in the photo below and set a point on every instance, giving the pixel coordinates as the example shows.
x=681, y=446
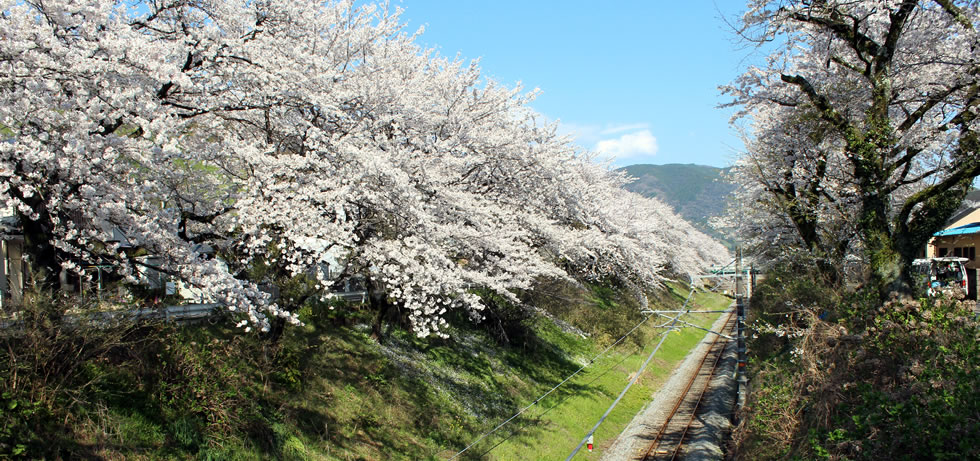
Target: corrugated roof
x=972, y=228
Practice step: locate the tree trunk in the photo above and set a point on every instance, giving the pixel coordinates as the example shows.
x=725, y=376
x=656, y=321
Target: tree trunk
x=379, y=304
x=43, y=257
x=883, y=259
x=922, y=215
x=277, y=326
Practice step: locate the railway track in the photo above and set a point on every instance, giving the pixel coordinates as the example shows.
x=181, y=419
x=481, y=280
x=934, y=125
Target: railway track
x=669, y=440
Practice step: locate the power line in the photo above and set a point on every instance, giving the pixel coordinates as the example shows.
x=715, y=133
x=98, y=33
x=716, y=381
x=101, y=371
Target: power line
x=673, y=321
x=663, y=314
x=590, y=362
x=560, y=400
x=669, y=324
x=663, y=337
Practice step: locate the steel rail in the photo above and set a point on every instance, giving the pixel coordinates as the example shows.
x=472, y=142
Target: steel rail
x=704, y=390
x=683, y=397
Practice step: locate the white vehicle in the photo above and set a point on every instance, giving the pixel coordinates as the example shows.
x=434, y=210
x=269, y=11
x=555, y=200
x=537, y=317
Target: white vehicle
x=930, y=274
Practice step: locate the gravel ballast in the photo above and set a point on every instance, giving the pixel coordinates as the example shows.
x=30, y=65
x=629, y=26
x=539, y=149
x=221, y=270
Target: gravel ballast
x=704, y=443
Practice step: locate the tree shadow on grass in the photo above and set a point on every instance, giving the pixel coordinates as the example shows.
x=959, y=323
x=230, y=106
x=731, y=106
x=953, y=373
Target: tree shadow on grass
x=533, y=424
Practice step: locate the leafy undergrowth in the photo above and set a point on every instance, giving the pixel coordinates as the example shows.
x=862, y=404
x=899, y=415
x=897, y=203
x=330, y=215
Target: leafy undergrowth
x=327, y=390
x=838, y=376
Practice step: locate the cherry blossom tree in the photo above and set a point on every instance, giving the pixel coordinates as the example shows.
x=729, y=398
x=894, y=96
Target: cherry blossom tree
x=864, y=121
x=284, y=135
x=795, y=196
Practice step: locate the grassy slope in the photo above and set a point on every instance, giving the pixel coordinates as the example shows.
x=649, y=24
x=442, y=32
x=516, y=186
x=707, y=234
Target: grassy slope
x=328, y=391
x=561, y=423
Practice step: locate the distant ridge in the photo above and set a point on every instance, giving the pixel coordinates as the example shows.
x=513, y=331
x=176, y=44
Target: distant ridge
x=696, y=192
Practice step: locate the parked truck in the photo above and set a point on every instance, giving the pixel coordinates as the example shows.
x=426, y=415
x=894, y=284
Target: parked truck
x=931, y=274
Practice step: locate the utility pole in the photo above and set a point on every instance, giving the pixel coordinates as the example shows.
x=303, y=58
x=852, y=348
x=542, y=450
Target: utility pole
x=740, y=377
x=738, y=270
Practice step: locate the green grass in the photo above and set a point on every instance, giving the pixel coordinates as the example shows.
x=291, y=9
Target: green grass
x=328, y=391
x=553, y=428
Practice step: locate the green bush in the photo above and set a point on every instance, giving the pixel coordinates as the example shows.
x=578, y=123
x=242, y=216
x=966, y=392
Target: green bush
x=922, y=367
x=137, y=430
x=59, y=355
x=870, y=380
x=20, y=419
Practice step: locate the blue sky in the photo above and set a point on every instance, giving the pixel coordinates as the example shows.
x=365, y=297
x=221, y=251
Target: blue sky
x=635, y=80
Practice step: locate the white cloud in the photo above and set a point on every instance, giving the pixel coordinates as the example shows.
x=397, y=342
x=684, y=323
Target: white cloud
x=636, y=144
x=588, y=135
x=624, y=128
x=584, y=135
x=616, y=143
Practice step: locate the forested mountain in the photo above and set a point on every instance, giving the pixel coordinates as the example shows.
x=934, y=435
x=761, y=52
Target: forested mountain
x=696, y=192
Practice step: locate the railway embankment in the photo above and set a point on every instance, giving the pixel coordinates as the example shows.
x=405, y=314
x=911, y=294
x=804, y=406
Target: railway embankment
x=328, y=389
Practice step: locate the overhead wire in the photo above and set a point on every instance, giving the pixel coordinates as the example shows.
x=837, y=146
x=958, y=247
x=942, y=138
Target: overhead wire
x=560, y=400
x=660, y=313
x=667, y=324
x=636, y=376
x=553, y=389
x=663, y=337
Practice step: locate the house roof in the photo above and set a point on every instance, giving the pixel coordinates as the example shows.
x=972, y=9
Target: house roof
x=9, y=225
x=972, y=228
x=970, y=202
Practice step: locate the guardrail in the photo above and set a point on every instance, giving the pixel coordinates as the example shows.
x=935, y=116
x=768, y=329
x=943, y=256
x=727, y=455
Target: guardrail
x=353, y=296
x=181, y=313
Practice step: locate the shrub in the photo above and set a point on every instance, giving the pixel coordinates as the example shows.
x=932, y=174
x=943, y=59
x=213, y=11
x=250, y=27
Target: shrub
x=57, y=353
x=893, y=380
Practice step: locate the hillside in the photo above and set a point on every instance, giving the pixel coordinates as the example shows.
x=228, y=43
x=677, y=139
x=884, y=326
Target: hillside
x=696, y=192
